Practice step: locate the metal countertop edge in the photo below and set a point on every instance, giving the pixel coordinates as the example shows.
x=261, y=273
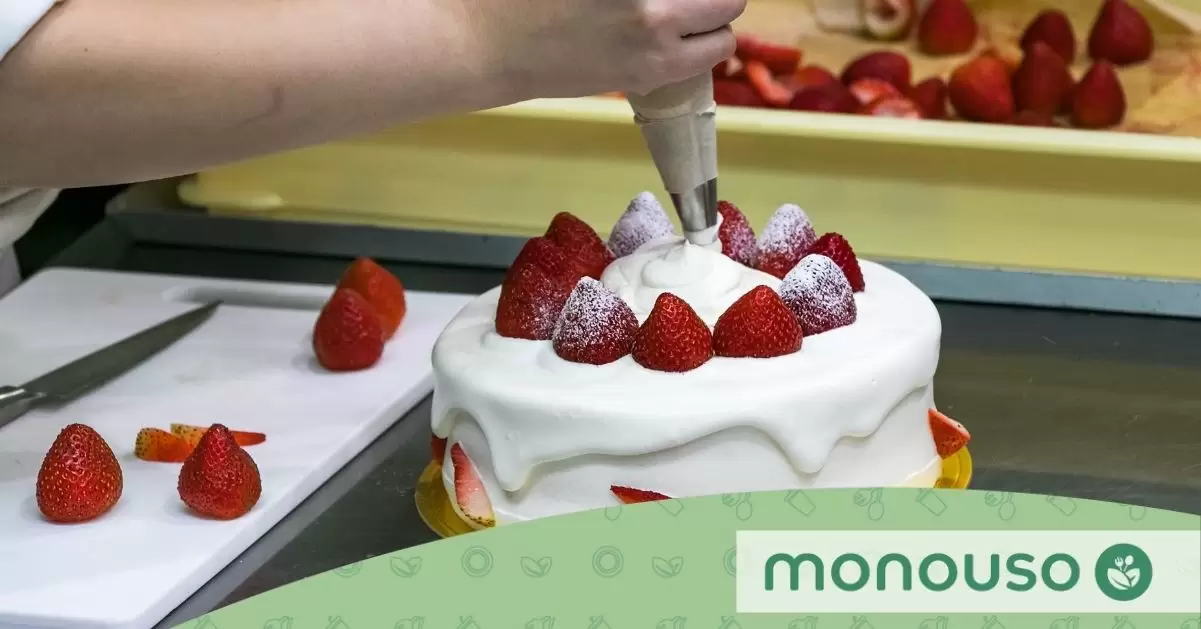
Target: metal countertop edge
x=996, y=286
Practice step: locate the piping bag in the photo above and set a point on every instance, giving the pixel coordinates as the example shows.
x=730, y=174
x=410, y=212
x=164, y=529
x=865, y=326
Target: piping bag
x=678, y=122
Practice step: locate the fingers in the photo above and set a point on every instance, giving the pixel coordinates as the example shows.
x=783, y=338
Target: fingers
x=701, y=52
x=697, y=17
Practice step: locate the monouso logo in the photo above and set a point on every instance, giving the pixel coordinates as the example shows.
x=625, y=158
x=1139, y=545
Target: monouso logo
x=936, y=572
x=1123, y=572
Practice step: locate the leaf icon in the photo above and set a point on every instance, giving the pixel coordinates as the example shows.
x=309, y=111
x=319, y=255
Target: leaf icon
x=535, y=568
x=405, y=567
x=667, y=568
x=1118, y=579
x=1133, y=574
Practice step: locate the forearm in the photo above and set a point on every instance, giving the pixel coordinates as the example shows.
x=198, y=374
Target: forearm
x=108, y=91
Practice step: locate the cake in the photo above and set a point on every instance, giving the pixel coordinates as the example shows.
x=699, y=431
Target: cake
x=653, y=367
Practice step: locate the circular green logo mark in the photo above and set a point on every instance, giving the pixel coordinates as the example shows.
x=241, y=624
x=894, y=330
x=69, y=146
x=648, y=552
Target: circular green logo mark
x=608, y=561
x=1123, y=572
x=477, y=561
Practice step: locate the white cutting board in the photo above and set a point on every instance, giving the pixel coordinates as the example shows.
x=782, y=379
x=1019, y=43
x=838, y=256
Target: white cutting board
x=250, y=367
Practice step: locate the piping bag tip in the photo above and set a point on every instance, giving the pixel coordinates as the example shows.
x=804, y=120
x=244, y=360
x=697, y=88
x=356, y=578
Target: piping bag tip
x=678, y=122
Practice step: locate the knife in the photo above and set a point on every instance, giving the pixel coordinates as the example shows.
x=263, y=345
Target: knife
x=678, y=122
x=76, y=378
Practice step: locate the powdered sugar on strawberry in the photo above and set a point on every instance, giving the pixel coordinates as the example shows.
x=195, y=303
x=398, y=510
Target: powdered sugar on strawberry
x=820, y=296
x=737, y=238
x=596, y=327
x=787, y=236
x=643, y=221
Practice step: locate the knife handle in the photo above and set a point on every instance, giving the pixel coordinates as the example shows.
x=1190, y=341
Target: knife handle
x=14, y=402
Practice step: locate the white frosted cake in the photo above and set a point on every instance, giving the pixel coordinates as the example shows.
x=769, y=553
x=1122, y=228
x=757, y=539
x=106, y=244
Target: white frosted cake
x=650, y=367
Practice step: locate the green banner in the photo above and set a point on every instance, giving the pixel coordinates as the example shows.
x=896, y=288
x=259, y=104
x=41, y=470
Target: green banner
x=861, y=558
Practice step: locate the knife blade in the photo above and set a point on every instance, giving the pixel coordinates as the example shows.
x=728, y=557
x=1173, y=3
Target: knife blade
x=85, y=374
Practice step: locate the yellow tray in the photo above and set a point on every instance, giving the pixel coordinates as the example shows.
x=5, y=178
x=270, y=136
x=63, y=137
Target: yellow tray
x=945, y=192
x=436, y=511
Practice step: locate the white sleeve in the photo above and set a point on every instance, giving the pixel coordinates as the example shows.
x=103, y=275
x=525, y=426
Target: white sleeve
x=19, y=207
x=17, y=17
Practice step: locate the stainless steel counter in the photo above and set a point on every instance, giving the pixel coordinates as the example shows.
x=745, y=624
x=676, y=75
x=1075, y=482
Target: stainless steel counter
x=1058, y=402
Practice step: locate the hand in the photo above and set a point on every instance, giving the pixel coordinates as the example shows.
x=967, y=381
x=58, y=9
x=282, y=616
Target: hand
x=564, y=48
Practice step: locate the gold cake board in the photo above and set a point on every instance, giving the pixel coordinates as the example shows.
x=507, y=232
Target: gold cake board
x=435, y=509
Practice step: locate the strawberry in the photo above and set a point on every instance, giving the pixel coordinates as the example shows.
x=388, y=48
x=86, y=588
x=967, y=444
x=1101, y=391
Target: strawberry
x=948, y=27
x=818, y=294
x=531, y=299
x=930, y=96
x=736, y=236
x=1098, y=100
x=884, y=65
x=868, y=91
x=1032, y=119
x=155, y=444
x=643, y=221
x=673, y=337
x=470, y=494
x=828, y=98
x=581, y=244
x=549, y=256
x=758, y=325
x=834, y=246
x=785, y=238
x=192, y=435
x=1008, y=54
x=736, y=94
x=894, y=107
x=810, y=76
x=773, y=92
x=778, y=59
x=80, y=478
x=1042, y=82
x=980, y=90
x=1120, y=35
x=382, y=290
x=721, y=70
x=888, y=19
x=219, y=479
x=949, y=435
x=348, y=334
x=629, y=495
x=1053, y=28
x=596, y=327
x=437, y=449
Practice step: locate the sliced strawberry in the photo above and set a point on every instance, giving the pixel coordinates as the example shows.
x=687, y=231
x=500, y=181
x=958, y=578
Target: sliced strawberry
x=894, y=107
x=581, y=244
x=530, y=303
x=868, y=91
x=629, y=495
x=736, y=94
x=818, y=294
x=785, y=238
x=930, y=96
x=736, y=236
x=596, y=327
x=643, y=221
x=884, y=65
x=832, y=98
x=192, y=435
x=437, y=449
x=780, y=60
x=673, y=337
x=835, y=247
x=773, y=92
x=810, y=76
x=949, y=435
x=160, y=446
x=758, y=325
x=470, y=494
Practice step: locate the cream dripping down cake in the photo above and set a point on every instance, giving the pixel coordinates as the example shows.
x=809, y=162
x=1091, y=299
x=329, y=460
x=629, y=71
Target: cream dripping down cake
x=649, y=367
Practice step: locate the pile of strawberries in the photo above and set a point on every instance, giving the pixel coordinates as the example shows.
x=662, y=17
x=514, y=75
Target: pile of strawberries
x=1034, y=88
x=364, y=312
x=81, y=479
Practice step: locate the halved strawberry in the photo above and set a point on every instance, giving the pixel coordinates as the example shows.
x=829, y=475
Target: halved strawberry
x=834, y=246
x=629, y=495
x=736, y=236
x=160, y=446
x=774, y=92
x=673, y=337
x=779, y=59
x=192, y=435
x=438, y=449
x=869, y=90
x=596, y=327
x=581, y=243
x=758, y=325
x=470, y=494
x=949, y=435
